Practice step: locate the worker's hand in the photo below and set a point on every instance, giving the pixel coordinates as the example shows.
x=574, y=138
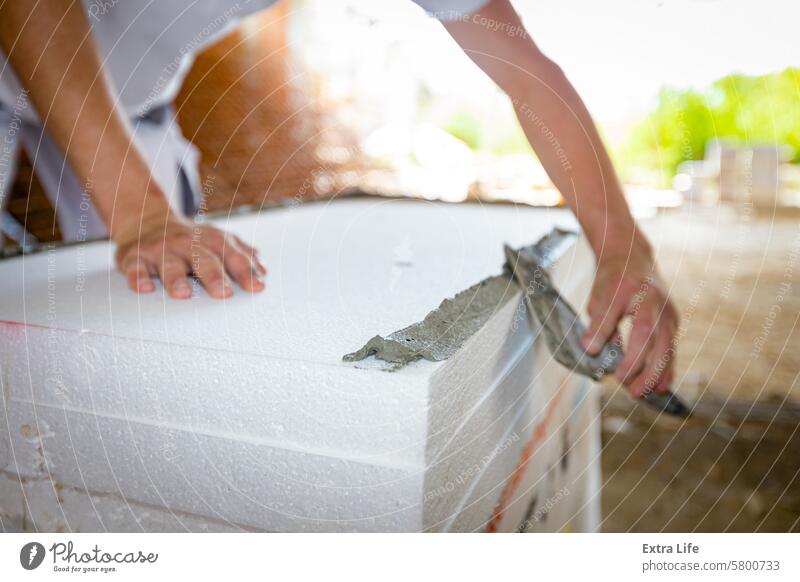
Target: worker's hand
x=629, y=284
x=179, y=249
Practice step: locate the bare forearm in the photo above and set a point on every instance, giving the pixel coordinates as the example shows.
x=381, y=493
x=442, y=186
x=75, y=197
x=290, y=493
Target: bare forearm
x=51, y=48
x=53, y=52
x=566, y=140
x=555, y=121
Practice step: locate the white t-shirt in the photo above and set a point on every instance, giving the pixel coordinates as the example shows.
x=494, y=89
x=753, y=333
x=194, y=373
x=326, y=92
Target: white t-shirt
x=148, y=45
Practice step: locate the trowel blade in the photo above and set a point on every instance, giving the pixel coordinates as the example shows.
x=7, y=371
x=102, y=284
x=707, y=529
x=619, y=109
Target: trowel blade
x=563, y=328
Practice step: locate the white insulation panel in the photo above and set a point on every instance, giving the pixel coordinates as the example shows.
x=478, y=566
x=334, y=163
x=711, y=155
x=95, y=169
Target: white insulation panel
x=127, y=412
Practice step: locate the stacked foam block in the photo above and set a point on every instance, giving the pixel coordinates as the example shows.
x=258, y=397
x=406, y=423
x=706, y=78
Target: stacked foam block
x=127, y=413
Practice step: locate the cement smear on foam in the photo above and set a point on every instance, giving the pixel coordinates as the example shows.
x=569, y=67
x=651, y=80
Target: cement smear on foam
x=445, y=329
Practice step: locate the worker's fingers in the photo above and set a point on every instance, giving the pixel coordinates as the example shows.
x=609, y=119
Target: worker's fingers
x=208, y=268
x=235, y=244
x=242, y=269
x=642, y=386
x=636, y=385
x=607, y=307
x=250, y=249
x=258, y=265
x=248, y=274
x=229, y=248
x=642, y=379
x=173, y=271
x=139, y=274
x=665, y=385
x=637, y=349
x=183, y=249
x=659, y=363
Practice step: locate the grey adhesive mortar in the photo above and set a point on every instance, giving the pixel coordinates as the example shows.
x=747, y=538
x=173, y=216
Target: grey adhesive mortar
x=445, y=329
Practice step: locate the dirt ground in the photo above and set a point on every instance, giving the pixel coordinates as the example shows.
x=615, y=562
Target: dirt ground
x=734, y=277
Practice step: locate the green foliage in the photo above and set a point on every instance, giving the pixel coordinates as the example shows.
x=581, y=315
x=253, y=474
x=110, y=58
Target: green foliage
x=737, y=108
x=499, y=134
x=466, y=127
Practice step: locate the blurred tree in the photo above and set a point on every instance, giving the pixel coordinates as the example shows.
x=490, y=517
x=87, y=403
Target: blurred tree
x=737, y=108
x=496, y=132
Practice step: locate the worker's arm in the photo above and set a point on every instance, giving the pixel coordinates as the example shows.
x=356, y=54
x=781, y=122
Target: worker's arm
x=561, y=131
x=52, y=50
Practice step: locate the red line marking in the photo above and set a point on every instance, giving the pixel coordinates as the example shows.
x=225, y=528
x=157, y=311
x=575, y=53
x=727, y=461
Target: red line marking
x=23, y=324
x=527, y=454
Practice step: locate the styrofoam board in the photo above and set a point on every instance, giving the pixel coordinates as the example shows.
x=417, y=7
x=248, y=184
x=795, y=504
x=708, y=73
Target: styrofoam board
x=51, y=507
x=235, y=480
x=196, y=399
x=190, y=367
x=339, y=273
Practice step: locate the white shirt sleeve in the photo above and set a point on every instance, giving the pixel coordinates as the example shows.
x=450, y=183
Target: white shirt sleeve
x=450, y=9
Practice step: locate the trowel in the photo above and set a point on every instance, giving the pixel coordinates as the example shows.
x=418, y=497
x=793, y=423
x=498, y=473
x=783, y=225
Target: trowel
x=563, y=328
